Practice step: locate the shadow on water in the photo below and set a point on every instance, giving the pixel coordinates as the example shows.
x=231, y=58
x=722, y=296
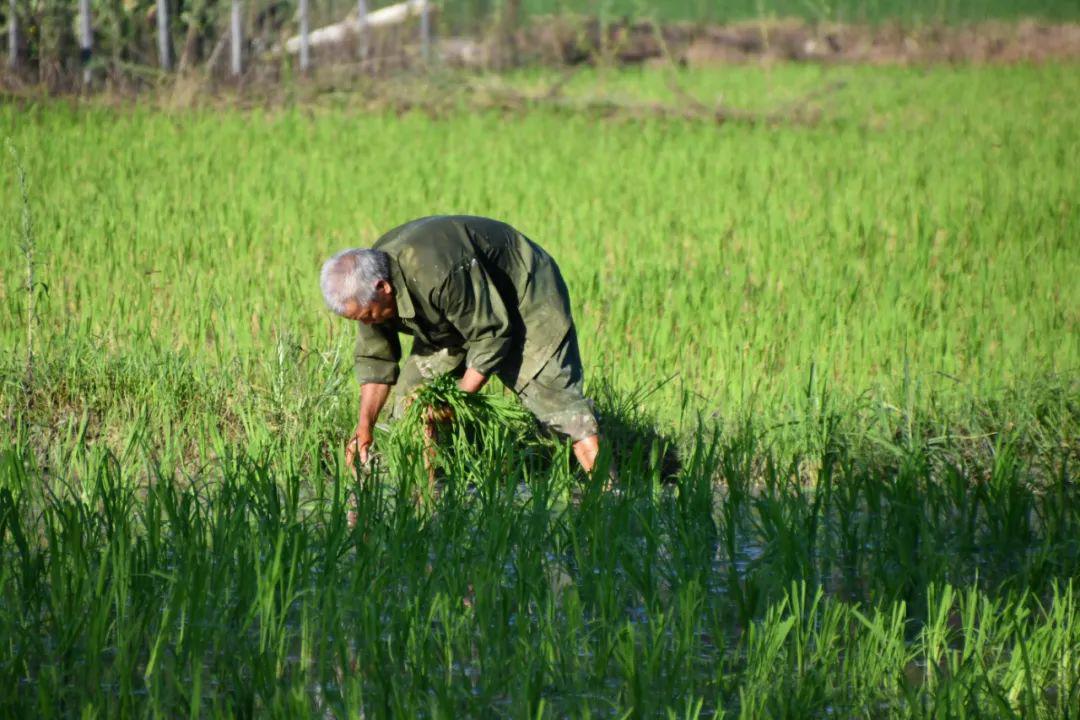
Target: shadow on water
x=634, y=435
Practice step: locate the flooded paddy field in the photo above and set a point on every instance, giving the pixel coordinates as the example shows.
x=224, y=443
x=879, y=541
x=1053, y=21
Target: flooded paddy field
x=836, y=362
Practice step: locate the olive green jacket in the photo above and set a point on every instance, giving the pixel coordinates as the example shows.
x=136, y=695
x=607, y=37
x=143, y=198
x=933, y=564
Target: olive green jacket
x=473, y=283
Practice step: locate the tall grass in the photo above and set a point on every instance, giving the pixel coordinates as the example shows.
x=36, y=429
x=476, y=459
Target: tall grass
x=127, y=589
x=916, y=245
x=28, y=248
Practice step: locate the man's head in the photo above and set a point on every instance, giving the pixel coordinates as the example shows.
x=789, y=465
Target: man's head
x=356, y=285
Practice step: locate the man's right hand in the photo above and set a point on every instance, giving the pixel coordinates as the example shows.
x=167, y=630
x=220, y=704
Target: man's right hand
x=372, y=398
x=358, y=447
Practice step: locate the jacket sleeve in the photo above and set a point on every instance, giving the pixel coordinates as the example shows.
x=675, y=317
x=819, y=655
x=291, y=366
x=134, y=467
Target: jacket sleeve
x=378, y=351
x=473, y=305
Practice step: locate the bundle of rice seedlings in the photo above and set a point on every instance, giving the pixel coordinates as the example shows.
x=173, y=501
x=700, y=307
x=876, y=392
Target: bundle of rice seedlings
x=466, y=436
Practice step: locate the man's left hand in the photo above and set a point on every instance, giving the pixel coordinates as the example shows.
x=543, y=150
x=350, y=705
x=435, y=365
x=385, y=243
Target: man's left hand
x=472, y=380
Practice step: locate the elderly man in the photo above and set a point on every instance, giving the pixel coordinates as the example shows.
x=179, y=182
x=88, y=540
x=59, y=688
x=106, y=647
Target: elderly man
x=479, y=299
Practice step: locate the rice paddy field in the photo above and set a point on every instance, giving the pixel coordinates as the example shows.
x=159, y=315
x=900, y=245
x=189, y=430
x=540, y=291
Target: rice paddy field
x=837, y=364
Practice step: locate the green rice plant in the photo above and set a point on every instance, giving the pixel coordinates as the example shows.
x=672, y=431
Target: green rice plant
x=27, y=247
x=247, y=590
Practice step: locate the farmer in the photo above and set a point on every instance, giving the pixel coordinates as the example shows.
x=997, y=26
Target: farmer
x=479, y=299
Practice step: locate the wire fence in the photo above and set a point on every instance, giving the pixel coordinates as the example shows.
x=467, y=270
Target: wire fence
x=66, y=42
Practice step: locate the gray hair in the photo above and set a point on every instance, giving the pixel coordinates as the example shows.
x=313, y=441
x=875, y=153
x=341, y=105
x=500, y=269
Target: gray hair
x=351, y=275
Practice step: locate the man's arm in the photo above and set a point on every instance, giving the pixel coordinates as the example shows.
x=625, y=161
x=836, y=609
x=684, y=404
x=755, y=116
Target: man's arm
x=372, y=399
x=377, y=353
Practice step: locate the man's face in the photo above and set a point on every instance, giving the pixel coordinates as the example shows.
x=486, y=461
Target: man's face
x=379, y=310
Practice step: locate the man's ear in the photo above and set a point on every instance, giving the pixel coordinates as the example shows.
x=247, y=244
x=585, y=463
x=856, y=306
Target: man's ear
x=383, y=287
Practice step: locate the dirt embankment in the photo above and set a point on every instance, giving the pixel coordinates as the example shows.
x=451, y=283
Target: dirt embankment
x=569, y=41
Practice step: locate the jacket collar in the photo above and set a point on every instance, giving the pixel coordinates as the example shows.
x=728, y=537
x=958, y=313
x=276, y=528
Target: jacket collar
x=402, y=298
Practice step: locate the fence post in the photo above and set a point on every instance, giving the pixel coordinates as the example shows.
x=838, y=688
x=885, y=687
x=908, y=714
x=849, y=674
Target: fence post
x=13, y=36
x=305, y=41
x=425, y=31
x=235, y=38
x=86, y=39
x=361, y=27
x=163, y=34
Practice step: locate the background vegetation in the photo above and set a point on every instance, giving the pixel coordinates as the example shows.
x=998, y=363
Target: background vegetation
x=125, y=40
x=873, y=11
